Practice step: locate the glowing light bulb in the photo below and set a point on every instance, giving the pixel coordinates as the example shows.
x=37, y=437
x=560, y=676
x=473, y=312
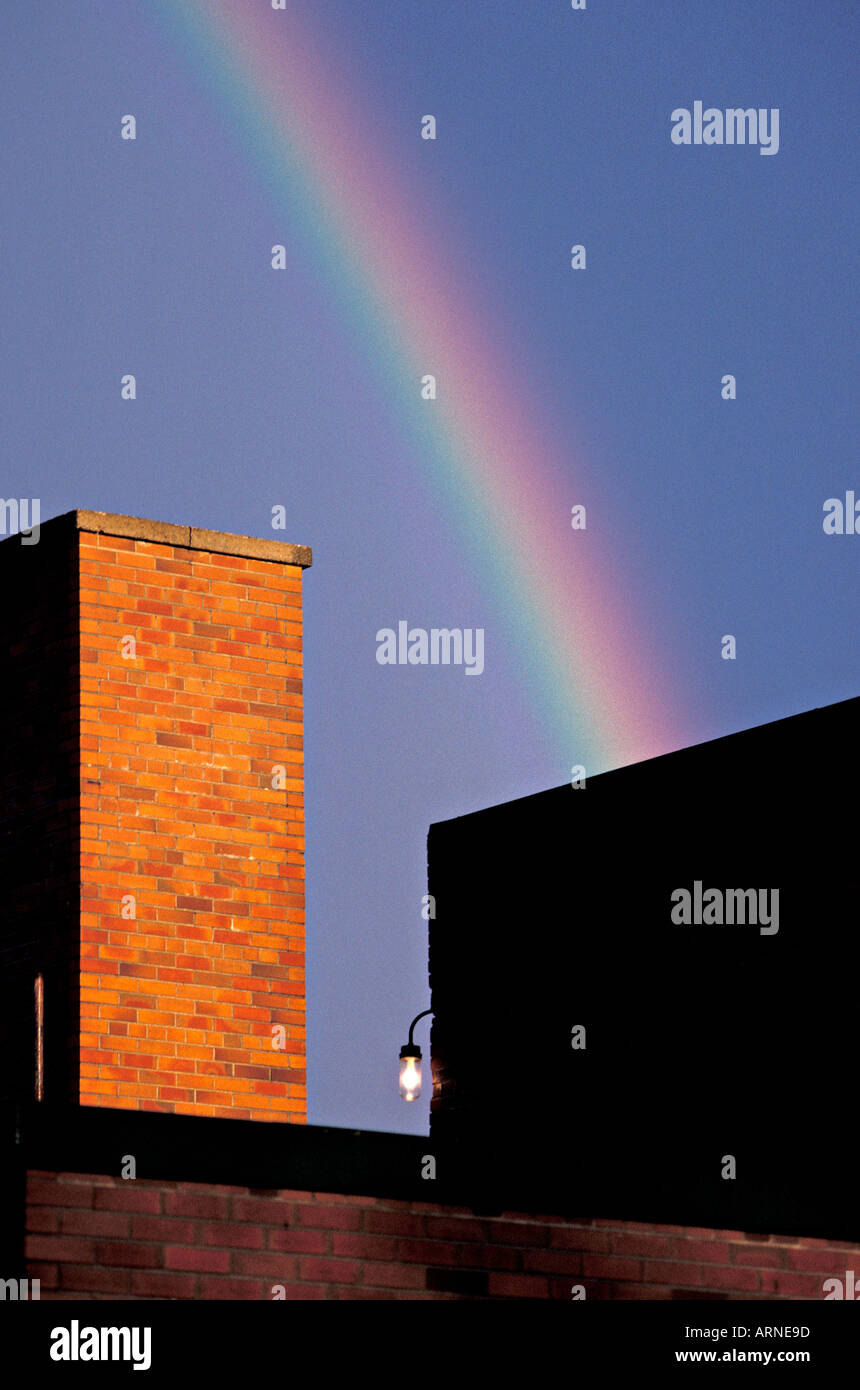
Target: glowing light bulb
x=410, y=1074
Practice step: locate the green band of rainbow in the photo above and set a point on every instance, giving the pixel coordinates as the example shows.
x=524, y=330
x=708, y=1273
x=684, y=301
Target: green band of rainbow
x=581, y=656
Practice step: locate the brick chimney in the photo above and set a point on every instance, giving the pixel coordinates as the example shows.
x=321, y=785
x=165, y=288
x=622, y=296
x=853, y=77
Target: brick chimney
x=152, y=818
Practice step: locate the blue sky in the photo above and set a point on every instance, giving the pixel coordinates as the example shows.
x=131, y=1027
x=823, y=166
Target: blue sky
x=253, y=390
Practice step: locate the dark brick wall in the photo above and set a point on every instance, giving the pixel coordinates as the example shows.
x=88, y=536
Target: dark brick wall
x=97, y=1237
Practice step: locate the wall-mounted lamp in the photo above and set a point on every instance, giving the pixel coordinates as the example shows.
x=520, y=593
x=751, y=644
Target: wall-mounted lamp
x=410, y=1064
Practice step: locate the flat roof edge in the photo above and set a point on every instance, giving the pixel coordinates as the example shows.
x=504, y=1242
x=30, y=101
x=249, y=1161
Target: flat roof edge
x=189, y=537
x=771, y=729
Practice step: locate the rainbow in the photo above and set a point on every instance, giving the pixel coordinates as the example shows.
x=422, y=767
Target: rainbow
x=575, y=639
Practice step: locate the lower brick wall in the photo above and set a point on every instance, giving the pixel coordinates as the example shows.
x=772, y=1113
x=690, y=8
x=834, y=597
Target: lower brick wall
x=97, y=1237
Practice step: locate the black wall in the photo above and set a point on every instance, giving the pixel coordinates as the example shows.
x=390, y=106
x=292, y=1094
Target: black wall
x=702, y=1041
x=39, y=811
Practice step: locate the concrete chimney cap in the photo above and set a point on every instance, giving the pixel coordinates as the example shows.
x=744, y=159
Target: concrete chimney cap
x=192, y=537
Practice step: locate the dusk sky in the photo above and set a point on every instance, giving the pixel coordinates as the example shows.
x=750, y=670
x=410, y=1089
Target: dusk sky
x=600, y=387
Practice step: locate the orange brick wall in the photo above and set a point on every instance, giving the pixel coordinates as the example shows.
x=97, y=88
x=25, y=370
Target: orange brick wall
x=177, y=751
